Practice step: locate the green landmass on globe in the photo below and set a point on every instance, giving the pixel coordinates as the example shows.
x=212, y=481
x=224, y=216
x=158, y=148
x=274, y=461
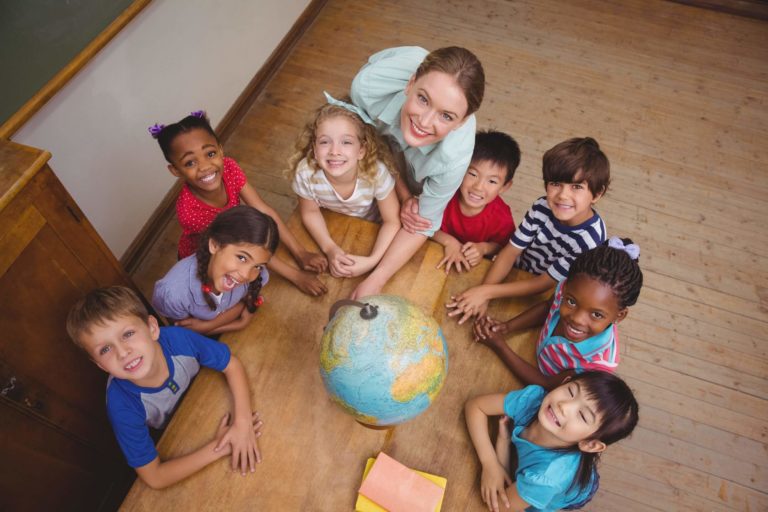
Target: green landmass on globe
x=387, y=369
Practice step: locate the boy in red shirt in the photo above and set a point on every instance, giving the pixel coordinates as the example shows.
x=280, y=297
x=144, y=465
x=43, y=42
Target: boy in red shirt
x=477, y=222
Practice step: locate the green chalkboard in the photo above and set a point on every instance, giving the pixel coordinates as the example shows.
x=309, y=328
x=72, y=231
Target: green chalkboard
x=39, y=37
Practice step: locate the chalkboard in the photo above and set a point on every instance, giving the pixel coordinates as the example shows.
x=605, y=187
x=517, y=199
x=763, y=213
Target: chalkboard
x=40, y=37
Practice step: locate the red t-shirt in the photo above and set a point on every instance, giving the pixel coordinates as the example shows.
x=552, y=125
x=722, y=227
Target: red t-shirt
x=493, y=224
x=194, y=215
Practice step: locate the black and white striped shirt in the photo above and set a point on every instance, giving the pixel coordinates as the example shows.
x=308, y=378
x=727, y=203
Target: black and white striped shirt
x=549, y=245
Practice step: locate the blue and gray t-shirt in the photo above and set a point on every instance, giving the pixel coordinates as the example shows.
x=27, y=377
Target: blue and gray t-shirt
x=133, y=409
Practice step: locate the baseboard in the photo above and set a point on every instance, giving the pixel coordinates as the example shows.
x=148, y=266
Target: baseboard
x=757, y=9
x=139, y=248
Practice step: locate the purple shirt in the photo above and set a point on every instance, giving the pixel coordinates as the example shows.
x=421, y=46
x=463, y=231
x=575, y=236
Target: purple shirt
x=179, y=294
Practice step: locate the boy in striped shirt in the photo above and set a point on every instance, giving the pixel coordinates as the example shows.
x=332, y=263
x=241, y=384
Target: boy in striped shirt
x=557, y=228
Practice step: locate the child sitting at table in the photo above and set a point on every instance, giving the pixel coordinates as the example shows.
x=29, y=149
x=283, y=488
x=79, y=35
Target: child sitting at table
x=216, y=290
x=558, y=227
x=549, y=459
x=342, y=165
x=150, y=368
x=477, y=222
x=214, y=183
x=580, y=331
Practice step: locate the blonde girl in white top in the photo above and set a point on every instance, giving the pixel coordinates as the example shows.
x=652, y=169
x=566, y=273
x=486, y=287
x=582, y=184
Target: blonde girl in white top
x=342, y=165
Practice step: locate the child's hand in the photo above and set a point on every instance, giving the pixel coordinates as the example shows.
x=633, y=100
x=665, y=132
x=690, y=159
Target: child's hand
x=482, y=330
x=309, y=283
x=362, y=264
x=313, y=262
x=239, y=439
x=473, y=253
x=410, y=218
x=191, y=323
x=453, y=255
x=472, y=302
x=340, y=263
x=493, y=483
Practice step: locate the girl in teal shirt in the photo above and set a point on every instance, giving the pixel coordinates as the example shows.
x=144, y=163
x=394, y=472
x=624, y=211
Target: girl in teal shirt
x=549, y=460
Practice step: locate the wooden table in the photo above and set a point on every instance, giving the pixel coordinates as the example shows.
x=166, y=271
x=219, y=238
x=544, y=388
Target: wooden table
x=314, y=453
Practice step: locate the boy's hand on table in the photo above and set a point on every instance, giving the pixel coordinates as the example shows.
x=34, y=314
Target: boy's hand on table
x=313, y=262
x=453, y=255
x=470, y=303
x=473, y=253
x=240, y=439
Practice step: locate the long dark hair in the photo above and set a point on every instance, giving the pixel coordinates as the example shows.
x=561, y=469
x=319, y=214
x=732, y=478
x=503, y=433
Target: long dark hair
x=238, y=225
x=618, y=407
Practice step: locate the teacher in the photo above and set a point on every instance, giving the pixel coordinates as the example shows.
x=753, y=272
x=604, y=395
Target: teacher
x=424, y=103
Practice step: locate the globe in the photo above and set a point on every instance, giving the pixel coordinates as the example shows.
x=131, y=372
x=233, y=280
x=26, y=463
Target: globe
x=383, y=363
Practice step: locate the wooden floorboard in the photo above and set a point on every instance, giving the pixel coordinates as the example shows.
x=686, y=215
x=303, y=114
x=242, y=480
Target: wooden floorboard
x=678, y=98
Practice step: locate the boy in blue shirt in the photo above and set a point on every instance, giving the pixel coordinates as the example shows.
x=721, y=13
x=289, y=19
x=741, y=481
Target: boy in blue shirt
x=150, y=369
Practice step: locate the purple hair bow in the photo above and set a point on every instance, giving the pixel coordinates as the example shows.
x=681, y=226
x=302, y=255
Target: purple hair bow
x=155, y=130
x=198, y=113
x=633, y=250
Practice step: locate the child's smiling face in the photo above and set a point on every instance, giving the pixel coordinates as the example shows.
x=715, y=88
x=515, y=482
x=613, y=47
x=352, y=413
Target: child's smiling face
x=571, y=203
x=234, y=264
x=126, y=347
x=198, y=158
x=482, y=183
x=588, y=307
x=337, y=148
x=568, y=416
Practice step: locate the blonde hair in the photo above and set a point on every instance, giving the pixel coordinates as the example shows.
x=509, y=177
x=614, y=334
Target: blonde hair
x=375, y=148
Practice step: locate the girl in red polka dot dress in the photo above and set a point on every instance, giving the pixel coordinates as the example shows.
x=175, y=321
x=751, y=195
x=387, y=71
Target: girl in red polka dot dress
x=214, y=183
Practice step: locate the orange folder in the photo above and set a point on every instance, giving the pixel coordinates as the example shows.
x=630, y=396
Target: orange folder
x=396, y=488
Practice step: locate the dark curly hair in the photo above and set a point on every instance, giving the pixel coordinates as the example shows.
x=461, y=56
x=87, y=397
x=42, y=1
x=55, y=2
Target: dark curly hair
x=614, y=267
x=169, y=133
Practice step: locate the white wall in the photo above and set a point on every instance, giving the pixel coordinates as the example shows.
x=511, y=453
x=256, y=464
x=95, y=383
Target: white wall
x=176, y=56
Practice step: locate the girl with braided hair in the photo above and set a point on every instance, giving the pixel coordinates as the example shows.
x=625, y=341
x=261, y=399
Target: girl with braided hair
x=217, y=289
x=579, y=330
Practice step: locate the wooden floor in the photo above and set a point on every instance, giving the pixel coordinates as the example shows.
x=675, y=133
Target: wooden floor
x=677, y=97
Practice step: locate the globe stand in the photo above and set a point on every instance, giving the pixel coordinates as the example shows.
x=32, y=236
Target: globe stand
x=367, y=311
x=377, y=427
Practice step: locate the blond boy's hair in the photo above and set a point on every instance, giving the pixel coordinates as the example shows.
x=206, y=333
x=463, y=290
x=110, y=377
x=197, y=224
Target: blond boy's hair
x=375, y=148
x=102, y=305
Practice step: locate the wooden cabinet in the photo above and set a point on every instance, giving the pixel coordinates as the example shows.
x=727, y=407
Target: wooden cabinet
x=57, y=450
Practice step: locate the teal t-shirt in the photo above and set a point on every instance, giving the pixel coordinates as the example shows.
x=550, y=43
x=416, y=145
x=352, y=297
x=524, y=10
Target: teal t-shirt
x=543, y=476
x=379, y=89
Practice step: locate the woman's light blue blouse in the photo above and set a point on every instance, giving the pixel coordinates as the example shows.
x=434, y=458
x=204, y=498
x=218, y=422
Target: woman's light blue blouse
x=379, y=89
